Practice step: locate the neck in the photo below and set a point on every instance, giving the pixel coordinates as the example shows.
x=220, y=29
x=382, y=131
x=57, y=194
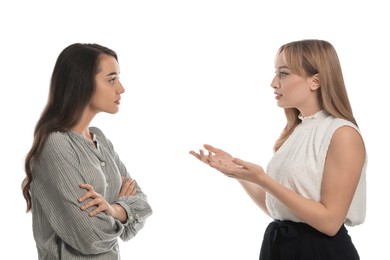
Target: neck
x=82, y=126
x=310, y=110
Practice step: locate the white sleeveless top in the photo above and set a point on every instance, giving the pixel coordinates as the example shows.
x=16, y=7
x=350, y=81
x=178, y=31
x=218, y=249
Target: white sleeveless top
x=299, y=166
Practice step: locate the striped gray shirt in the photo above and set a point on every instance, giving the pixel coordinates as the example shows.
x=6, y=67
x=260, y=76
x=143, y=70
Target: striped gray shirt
x=61, y=229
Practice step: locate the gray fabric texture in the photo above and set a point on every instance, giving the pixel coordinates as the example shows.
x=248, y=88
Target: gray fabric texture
x=61, y=229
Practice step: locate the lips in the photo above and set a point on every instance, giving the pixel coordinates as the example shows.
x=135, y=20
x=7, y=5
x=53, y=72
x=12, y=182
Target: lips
x=277, y=96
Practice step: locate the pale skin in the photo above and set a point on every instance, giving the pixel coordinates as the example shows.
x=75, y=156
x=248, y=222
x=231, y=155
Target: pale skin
x=343, y=166
x=105, y=99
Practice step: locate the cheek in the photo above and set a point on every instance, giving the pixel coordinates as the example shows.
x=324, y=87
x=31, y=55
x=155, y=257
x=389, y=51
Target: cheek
x=295, y=87
x=98, y=99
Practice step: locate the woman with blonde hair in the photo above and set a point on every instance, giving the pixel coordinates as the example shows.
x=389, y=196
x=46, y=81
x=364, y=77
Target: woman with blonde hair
x=315, y=183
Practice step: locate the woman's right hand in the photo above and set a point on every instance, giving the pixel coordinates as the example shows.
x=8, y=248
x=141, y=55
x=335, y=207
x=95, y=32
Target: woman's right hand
x=214, y=155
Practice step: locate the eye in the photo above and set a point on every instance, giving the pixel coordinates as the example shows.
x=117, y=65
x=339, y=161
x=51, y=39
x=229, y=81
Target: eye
x=112, y=79
x=283, y=74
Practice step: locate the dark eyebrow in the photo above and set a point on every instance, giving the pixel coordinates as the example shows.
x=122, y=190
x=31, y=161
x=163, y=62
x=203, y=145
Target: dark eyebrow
x=112, y=74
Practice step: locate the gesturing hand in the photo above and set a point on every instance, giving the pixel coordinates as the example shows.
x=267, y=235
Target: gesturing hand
x=215, y=157
x=230, y=166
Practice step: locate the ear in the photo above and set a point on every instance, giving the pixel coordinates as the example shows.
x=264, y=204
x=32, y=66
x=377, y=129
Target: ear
x=315, y=82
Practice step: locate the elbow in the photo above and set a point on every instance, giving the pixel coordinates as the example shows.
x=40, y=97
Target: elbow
x=332, y=228
x=90, y=240
x=330, y=232
x=95, y=246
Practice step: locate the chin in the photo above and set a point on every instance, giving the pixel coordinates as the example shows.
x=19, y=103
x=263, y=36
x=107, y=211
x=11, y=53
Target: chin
x=283, y=105
x=112, y=111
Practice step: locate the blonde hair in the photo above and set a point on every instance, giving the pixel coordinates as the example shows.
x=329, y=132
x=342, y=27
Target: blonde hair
x=307, y=58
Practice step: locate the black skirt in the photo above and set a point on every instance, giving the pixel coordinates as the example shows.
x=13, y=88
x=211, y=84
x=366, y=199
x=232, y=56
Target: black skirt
x=287, y=240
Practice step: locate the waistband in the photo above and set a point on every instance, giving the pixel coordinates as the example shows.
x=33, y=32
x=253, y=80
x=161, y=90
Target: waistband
x=286, y=230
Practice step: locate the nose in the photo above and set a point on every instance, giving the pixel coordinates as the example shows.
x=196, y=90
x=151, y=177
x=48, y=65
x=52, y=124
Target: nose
x=120, y=88
x=274, y=83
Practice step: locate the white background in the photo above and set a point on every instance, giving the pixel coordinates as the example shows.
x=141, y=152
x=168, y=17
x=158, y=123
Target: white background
x=195, y=72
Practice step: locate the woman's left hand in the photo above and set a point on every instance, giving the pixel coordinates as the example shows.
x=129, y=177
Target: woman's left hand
x=240, y=170
x=128, y=187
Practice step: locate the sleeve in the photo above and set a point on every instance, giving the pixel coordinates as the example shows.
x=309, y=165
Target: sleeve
x=137, y=207
x=56, y=179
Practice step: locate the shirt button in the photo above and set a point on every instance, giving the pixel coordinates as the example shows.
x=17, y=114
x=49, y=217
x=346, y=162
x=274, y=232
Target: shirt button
x=103, y=164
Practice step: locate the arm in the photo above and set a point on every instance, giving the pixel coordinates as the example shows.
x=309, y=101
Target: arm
x=255, y=192
x=343, y=166
x=100, y=204
x=136, y=206
x=55, y=187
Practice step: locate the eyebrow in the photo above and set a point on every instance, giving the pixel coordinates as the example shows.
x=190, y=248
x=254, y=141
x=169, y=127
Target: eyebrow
x=283, y=67
x=112, y=74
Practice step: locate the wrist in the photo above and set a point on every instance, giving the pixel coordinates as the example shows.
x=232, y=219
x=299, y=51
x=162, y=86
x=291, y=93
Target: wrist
x=119, y=213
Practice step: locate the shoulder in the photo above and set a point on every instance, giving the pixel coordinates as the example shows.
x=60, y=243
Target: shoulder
x=57, y=140
x=344, y=130
x=347, y=142
x=332, y=129
x=339, y=122
x=347, y=136
x=58, y=144
x=333, y=125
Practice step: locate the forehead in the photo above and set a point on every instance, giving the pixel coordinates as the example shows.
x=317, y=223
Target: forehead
x=108, y=64
x=280, y=60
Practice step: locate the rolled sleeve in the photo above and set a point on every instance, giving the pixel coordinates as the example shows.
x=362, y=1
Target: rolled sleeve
x=138, y=210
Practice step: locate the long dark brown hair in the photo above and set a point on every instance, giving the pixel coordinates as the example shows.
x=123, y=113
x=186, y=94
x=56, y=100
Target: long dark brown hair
x=71, y=88
x=307, y=58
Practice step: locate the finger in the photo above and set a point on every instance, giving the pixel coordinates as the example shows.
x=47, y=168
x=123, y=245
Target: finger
x=195, y=154
x=89, y=194
x=133, y=192
x=132, y=189
x=91, y=203
x=241, y=163
x=125, y=187
x=97, y=201
x=132, y=185
x=99, y=209
x=212, y=148
x=86, y=186
x=203, y=157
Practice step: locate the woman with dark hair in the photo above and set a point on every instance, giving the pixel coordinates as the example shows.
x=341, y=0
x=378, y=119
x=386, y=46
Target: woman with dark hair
x=315, y=184
x=80, y=194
